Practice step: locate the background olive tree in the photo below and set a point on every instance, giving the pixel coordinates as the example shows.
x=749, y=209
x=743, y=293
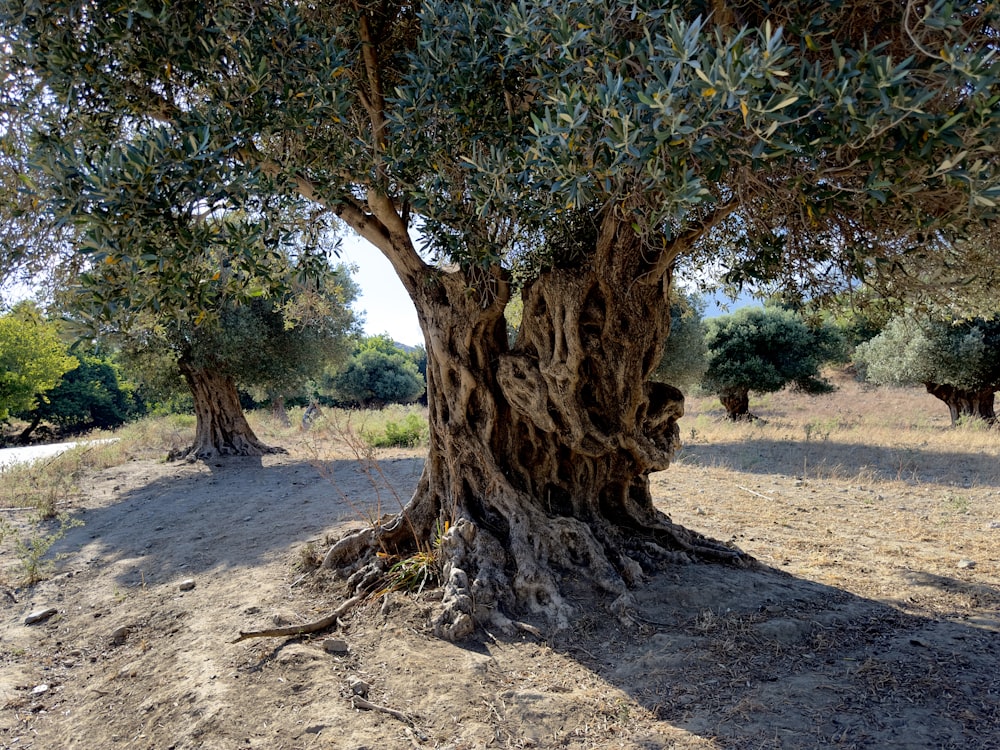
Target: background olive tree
x=957, y=361
x=762, y=350
x=269, y=345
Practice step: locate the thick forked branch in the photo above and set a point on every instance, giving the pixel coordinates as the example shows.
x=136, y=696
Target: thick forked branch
x=382, y=225
x=691, y=235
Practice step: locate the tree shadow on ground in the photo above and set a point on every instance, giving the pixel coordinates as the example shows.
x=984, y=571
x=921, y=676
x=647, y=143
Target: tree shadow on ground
x=791, y=458
x=200, y=517
x=760, y=659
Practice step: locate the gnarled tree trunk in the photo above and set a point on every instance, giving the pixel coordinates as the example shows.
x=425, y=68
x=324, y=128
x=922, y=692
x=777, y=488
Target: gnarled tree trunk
x=221, y=428
x=737, y=403
x=279, y=412
x=966, y=403
x=537, y=472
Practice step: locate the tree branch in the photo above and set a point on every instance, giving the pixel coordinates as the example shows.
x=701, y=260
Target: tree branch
x=687, y=239
x=374, y=98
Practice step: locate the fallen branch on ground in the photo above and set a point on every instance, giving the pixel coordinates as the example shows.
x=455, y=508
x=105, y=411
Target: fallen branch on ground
x=358, y=702
x=305, y=628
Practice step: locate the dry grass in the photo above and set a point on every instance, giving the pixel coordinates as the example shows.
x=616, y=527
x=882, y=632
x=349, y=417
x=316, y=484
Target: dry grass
x=866, y=490
x=850, y=488
x=45, y=484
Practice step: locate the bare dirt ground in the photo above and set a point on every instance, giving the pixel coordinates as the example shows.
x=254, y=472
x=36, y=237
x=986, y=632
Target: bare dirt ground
x=875, y=623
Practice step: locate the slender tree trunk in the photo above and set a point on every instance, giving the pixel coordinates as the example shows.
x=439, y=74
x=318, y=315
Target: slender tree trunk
x=537, y=471
x=221, y=428
x=25, y=436
x=966, y=403
x=737, y=403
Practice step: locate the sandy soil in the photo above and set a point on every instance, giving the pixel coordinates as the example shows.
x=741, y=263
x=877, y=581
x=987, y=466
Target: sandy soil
x=875, y=625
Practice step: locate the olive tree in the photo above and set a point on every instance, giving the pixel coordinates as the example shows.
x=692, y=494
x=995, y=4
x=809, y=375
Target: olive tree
x=764, y=349
x=272, y=344
x=577, y=153
x=957, y=361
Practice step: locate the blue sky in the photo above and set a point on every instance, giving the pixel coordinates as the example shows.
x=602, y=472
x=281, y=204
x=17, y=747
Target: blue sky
x=384, y=301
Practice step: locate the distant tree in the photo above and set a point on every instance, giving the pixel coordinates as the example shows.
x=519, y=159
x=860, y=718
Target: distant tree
x=685, y=354
x=269, y=344
x=32, y=358
x=956, y=361
x=91, y=395
x=379, y=373
x=763, y=350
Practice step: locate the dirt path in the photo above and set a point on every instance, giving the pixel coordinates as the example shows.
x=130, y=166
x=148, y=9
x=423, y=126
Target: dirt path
x=849, y=642
x=28, y=453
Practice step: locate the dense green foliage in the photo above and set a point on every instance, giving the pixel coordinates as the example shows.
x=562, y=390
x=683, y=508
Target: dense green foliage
x=913, y=350
x=378, y=373
x=32, y=358
x=91, y=395
x=685, y=355
x=764, y=128
x=764, y=349
x=408, y=433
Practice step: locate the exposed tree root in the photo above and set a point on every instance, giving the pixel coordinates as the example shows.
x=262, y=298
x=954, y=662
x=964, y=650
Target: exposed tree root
x=482, y=579
x=193, y=453
x=358, y=702
x=485, y=578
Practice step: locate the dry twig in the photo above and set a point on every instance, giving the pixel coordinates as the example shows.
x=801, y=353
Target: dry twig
x=306, y=628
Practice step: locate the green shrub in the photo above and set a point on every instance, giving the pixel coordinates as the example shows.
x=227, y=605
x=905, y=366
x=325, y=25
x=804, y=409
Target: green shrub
x=409, y=433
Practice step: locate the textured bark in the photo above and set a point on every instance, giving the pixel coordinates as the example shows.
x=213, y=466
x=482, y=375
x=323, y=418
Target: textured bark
x=221, y=428
x=537, y=471
x=737, y=403
x=279, y=412
x=966, y=403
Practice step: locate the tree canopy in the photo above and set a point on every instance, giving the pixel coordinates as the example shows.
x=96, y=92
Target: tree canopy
x=810, y=143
